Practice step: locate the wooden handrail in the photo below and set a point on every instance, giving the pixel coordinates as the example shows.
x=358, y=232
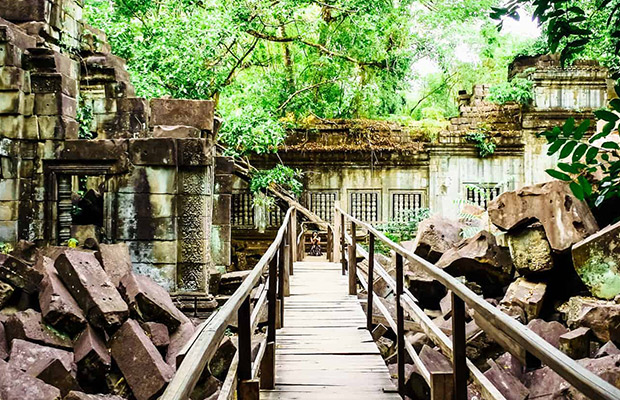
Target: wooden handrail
x=581, y=378
x=206, y=342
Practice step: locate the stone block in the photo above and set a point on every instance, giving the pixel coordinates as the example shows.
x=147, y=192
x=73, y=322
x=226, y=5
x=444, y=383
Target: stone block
x=220, y=243
x=58, y=307
x=8, y=231
x=101, y=150
x=92, y=289
x=9, y=33
x=158, y=333
x=26, y=354
x=194, y=152
x=42, y=59
x=576, y=343
x=195, y=181
x=222, y=209
x=93, y=360
x=54, y=372
x=104, y=106
x=147, y=229
x=163, y=274
x=597, y=261
x=4, y=346
x=156, y=252
x=12, y=102
x=602, y=317
x=10, y=55
x=6, y=291
x=178, y=340
x=525, y=295
x=144, y=369
x=115, y=260
x=17, y=385
x=224, y=165
x=26, y=10
x=150, y=302
x=28, y=325
x=11, y=126
x=133, y=105
x=13, y=78
x=55, y=104
x=162, y=151
x=19, y=274
x=550, y=331
x=83, y=396
x=8, y=210
x=196, y=113
x=223, y=184
x=85, y=232
x=54, y=82
x=145, y=205
x=57, y=127
x=154, y=180
x=9, y=189
x=179, y=132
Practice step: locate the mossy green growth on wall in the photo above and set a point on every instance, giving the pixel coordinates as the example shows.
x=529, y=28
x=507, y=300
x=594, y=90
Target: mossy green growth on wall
x=601, y=274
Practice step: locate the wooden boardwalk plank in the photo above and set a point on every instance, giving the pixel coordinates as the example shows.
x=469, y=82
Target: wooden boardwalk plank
x=324, y=350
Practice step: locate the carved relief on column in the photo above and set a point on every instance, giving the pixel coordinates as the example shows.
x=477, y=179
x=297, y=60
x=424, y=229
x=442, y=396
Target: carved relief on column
x=64, y=208
x=193, y=229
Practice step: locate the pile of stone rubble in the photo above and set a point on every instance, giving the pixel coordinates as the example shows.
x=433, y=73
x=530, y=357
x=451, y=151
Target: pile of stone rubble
x=79, y=324
x=541, y=258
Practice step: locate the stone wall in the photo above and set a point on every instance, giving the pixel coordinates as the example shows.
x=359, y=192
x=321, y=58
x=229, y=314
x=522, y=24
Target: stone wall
x=140, y=171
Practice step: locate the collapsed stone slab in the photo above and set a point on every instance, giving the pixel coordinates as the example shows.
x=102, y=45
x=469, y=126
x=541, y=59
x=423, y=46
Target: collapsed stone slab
x=526, y=296
x=143, y=367
x=158, y=333
x=603, y=317
x=177, y=341
x=506, y=383
x=115, y=260
x=17, y=385
x=73, y=395
x=435, y=236
x=150, y=302
x=597, y=262
x=480, y=260
x=25, y=354
x=58, y=307
x=55, y=373
x=92, y=289
x=550, y=331
x=29, y=325
x=565, y=219
x=19, y=274
x=4, y=347
x=93, y=360
x=530, y=251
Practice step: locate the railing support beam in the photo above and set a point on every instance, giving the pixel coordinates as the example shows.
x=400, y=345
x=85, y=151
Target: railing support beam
x=371, y=279
x=400, y=325
x=353, y=262
x=343, y=245
x=459, y=344
x=246, y=388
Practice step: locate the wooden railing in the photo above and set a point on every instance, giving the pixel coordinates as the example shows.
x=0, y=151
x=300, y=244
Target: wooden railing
x=514, y=336
x=243, y=372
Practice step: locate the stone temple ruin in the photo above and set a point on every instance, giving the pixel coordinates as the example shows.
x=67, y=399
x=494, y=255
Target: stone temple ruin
x=138, y=171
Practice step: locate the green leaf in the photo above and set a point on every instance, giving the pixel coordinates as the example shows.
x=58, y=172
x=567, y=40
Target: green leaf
x=581, y=129
x=558, y=175
x=577, y=190
x=606, y=115
x=571, y=169
x=617, y=89
x=610, y=145
x=555, y=146
x=568, y=127
x=579, y=152
x=591, y=154
x=568, y=148
x=615, y=104
x=585, y=185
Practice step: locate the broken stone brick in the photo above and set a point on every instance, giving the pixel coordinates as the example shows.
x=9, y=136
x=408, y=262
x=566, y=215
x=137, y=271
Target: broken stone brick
x=230, y=281
x=480, y=260
x=576, y=343
x=196, y=113
x=73, y=395
x=4, y=347
x=526, y=295
x=92, y=289
x=19, y=274
x=55, y=373
x=424, y=288
x=6, y=291
x=608, y=349
x=150, y=302
x=25, y=354
x=435, y=236
x=115, y=260
x=143, y=367
x=507, y=384
x=17, y=385
x=511, y=364
x=178, y=340
x=93, y=360
x=29, y=325
x=530, y=251
x=158, y=333
x=550, y=331
x=565, y=219
x=58, y=307
x=602, y=316
x=596, y=260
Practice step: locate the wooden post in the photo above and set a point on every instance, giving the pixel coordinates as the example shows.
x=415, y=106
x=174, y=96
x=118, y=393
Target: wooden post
x=281, y=268
x=284, y=272
x=246, y=389
x=267, y=372
x=329, y=246
x=400, y=325
x=371, y=278
x=293, y=239
x=343, y=244
x=459, y=343
x=353, y=262
x=336, y=233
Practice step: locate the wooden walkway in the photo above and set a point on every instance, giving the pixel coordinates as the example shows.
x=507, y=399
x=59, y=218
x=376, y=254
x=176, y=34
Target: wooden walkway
x=324, y=350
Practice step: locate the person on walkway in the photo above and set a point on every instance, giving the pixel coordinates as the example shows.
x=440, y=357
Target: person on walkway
x=315, y=248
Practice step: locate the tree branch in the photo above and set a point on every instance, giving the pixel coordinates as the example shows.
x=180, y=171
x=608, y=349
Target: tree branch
x=305, y=89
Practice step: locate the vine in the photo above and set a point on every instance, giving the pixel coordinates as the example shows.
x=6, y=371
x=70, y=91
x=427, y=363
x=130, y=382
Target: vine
x=483, y=141
x=84, y=117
